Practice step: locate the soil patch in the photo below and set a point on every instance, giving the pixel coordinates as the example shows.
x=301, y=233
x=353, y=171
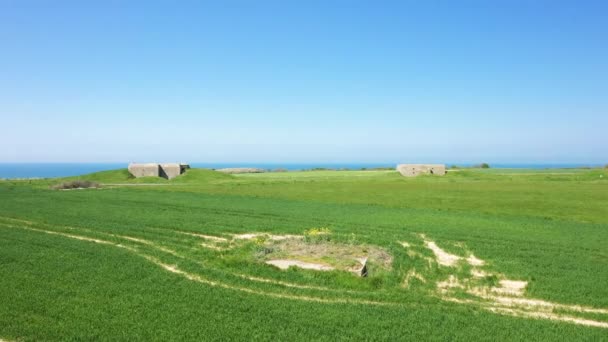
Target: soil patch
x=285, y=264
x=356, y=259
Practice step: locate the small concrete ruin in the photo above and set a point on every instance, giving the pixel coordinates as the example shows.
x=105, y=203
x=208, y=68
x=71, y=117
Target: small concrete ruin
x=168, y=170
x=412, y=170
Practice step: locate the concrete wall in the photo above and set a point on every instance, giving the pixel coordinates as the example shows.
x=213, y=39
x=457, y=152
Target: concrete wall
x=169, y=171
x=144, y=170
x=411, y=170
x=172, y=170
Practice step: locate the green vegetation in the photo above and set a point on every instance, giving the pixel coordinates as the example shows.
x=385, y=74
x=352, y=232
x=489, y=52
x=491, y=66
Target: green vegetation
x=76, y=184
x=153, y=259
x=122, y=176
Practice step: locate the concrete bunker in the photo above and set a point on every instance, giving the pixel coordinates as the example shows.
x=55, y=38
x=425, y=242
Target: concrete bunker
x=412, y=170
x=167, y=170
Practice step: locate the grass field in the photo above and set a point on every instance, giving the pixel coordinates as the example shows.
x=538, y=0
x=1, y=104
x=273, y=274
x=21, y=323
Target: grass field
x=477, y=254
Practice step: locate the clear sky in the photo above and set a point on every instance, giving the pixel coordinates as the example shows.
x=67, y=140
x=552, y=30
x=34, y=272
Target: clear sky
x=304, y=81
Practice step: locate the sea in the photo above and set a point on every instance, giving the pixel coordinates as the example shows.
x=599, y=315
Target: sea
x=52, y=170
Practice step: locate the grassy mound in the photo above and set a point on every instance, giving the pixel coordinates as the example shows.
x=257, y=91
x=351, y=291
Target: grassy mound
x=121, y=176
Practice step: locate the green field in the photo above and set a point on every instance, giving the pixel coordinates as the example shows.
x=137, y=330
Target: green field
x=151, y=259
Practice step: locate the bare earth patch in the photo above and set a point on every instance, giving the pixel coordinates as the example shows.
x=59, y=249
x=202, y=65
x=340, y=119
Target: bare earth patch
x=351, y=258
x=443, y=258
x=478, y=274
x=206, y=237
x=446, y=259
x=473, y=261
x=251, y=236
x=506, y=298
x=511, y=287
x=285, y=264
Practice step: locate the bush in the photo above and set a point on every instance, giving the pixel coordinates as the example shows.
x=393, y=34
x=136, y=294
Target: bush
x=482, y=166
x=77, y=184
x=315, y=235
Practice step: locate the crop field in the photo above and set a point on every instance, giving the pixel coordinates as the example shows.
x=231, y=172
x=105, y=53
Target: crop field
x=313, y=255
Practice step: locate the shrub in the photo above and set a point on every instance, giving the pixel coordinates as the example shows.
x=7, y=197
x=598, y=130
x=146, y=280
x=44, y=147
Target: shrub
x=482, y=166
x=317, y=234
x=260, y=240
x=77, y=184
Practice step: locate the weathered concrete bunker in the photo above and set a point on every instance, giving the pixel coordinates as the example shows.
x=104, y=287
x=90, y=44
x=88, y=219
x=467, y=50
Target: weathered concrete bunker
x=168, y=171
x=412, y=170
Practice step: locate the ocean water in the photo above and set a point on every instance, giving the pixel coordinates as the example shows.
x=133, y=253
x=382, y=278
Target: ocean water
x=51, y=170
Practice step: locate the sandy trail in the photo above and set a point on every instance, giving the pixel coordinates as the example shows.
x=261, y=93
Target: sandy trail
x=443, y=258
x=507, y=297
x=204, y=236
x=489, y=299
x=151, y=244
x=197, y=278
x=446, y=259
x=529, y=314
x=251, y=236
x=511, y=287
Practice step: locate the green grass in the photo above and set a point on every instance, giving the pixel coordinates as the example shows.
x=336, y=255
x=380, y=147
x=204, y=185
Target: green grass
x=122, y=176
x=546, y=227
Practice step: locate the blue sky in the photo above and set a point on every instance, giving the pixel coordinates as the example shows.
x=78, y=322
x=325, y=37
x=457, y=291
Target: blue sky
x=304, y=81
